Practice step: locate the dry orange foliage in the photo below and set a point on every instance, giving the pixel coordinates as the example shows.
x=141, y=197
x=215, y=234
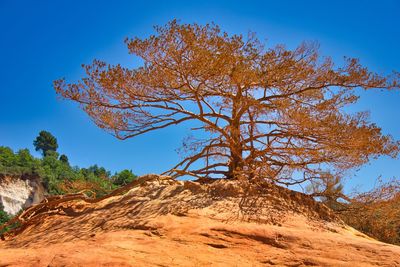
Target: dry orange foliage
x=267, y=111
x=376, y=212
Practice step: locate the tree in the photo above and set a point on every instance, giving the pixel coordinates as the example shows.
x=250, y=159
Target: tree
x=63, y=158
x=97, y=171
x=376, y=212
x=45, y=142
x=266, y=113
x=123, y=178
x=21, y=164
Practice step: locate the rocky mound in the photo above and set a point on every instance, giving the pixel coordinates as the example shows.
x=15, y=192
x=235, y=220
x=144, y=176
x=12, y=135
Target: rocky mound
x=163, y=222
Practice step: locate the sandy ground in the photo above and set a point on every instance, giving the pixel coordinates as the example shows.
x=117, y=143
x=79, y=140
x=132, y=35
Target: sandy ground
x=127, y=231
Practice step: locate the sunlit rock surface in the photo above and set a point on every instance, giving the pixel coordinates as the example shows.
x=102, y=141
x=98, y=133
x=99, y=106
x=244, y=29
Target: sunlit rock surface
x=17, y=193
x=177, y=223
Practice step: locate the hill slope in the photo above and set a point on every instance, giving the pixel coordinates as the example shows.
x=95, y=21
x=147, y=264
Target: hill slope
x=174, y=223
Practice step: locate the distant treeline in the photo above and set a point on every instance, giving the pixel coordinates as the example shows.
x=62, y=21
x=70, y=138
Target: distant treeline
x=55, y=171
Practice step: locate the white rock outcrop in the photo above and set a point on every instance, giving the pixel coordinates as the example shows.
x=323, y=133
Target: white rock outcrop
x=17, y=194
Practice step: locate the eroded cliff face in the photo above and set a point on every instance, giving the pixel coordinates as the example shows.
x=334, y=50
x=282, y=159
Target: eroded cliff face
x=19, y=193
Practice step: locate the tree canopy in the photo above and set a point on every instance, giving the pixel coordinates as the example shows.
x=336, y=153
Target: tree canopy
x=45, y=142
x=124, y=177
x=268, y=112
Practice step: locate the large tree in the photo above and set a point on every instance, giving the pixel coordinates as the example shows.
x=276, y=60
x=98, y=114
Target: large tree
x=266, y=112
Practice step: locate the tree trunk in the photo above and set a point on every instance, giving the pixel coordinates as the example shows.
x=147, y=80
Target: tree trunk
x=236, y=150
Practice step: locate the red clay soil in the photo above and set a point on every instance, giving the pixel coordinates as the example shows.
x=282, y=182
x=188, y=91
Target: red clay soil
x=174, y=223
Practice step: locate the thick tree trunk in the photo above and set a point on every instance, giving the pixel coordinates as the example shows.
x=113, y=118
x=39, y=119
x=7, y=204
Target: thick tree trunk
x=236, y=148
x=236, y=160
x=235, y=166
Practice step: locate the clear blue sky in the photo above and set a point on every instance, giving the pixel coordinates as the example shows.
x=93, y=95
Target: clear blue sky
x=44, y=40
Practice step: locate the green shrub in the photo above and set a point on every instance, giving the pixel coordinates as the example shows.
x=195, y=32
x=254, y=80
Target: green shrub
x=123, y=178
x=21, y=163
x=4, y=217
